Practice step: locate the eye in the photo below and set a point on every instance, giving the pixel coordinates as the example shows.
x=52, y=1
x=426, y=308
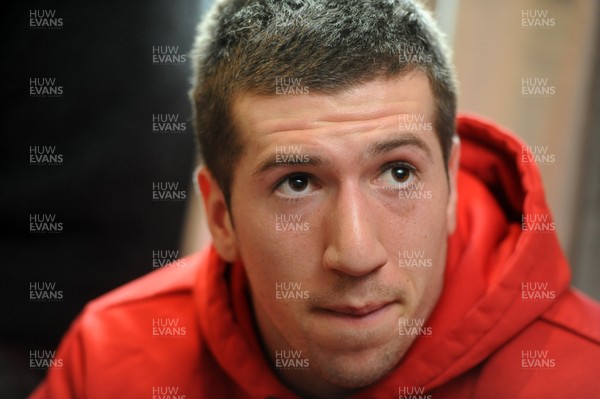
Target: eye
x=397, y=175
x=297, y=185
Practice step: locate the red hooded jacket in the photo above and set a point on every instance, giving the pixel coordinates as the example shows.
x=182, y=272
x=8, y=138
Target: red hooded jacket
x=507, y=324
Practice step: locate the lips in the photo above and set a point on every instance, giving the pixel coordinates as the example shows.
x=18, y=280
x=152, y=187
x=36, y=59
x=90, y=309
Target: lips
x=355, y=311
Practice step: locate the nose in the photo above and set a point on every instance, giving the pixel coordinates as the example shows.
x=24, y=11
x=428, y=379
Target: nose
x=353, y=246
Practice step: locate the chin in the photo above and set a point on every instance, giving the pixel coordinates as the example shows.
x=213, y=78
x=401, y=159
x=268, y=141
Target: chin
x=359, y=370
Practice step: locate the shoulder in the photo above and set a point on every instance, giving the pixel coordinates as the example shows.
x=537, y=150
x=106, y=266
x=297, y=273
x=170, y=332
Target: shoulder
x=132, y=312
x=141, y=310
x=177, y=278
x=130, y=339
x=558, y=355
x=576, y=314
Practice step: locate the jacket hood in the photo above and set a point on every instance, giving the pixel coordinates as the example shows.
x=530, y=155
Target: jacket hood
x=496, y=257
x=504, y=268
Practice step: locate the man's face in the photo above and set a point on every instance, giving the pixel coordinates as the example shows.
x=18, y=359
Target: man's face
x=341, y=211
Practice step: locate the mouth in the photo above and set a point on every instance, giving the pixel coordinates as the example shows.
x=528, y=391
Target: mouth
x=369, y=312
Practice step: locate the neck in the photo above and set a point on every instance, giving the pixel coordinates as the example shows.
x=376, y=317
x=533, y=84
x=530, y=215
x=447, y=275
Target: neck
x=305, y=382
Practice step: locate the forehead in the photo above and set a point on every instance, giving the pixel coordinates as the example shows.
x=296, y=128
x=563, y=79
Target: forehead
x=376, y=106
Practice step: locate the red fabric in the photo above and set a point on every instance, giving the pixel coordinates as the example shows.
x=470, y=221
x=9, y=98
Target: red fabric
x=481, y=324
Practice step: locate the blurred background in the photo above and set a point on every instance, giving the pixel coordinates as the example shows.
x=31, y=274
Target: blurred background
x=121, y=198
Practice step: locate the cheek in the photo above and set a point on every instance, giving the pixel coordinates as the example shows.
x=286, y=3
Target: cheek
x=418, y=225
x=277, y=265
x=414, y=235
x=433, y=236
x=276, y=247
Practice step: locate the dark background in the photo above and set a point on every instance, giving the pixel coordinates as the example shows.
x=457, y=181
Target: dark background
x=102, y=125
x=102, y=192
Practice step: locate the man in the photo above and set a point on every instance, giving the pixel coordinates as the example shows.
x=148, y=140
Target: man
x=360, y=249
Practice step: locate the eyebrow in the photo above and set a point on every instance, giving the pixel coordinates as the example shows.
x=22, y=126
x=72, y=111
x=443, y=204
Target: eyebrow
x=410, y=139
x=374, y=149
x=272, y=162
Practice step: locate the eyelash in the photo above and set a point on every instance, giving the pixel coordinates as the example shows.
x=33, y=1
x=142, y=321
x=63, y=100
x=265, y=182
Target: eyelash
x=294, y=199
x=286, y=178
x=396, y=164
x=383, y=169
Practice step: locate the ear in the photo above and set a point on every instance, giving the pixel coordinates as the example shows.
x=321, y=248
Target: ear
x=453, y=165
x=218, y=217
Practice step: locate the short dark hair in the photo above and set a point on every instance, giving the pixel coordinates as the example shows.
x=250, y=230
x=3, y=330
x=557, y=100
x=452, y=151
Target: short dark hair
x=243, y=45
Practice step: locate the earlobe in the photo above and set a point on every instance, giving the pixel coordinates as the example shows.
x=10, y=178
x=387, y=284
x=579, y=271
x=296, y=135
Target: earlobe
x=453, y=166
x=218, y=217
